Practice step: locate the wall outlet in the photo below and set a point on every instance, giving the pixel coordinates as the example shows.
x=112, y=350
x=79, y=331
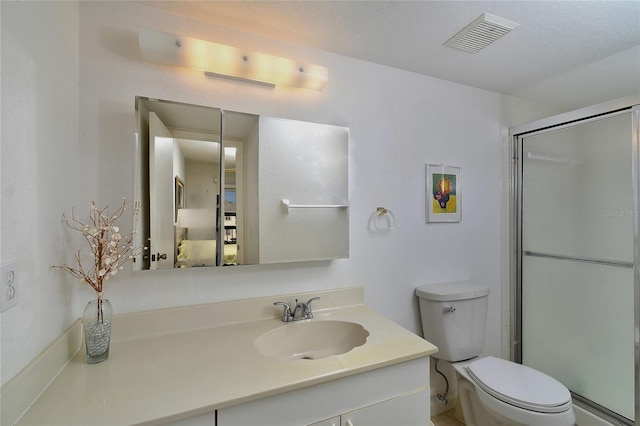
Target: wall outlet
x=8, y=285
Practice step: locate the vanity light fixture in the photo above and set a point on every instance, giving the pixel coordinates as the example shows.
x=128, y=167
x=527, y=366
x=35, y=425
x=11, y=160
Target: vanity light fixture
x=230, y=62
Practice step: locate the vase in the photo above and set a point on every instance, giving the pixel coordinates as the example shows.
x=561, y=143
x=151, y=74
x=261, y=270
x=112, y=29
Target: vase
x=96, y=322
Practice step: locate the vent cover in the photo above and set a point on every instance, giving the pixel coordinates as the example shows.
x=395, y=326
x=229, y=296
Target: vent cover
x=480, y=33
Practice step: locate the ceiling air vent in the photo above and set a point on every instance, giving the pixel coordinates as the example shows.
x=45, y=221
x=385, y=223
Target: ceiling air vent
x=480, y=33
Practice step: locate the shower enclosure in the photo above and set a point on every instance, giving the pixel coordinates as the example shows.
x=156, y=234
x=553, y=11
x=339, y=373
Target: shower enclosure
x=576, y=234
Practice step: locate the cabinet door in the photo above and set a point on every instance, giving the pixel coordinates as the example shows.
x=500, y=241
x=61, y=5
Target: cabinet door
x=334, y=421
x=406, y=410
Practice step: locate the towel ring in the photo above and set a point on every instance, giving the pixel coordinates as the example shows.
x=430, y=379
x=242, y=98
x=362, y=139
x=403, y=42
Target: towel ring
x=382, y=212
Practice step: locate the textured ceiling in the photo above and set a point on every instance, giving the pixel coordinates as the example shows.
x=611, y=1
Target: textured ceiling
x=538, y=59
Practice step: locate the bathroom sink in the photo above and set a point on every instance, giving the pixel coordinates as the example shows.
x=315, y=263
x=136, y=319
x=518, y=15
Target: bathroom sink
x=311, y=339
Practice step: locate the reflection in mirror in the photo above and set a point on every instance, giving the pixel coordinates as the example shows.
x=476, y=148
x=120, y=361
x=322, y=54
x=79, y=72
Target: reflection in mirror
x=204, y=201
x=238, y=131
x=177, y=175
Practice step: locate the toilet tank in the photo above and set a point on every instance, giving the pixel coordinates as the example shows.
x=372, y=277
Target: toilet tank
x=454, y=318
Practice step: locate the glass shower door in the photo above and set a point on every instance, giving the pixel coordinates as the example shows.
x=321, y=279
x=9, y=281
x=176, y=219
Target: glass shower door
x=577, y=251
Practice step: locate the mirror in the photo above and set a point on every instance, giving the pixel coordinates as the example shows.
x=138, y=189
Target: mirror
x=271, y=190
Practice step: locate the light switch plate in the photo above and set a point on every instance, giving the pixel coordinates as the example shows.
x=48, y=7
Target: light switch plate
x=9, y=285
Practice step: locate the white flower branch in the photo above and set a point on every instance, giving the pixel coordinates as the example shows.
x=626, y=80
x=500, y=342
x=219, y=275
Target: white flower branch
x=110, y=249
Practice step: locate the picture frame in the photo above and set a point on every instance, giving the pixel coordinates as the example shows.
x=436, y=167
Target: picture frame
x=179, y=194
x=443, y=194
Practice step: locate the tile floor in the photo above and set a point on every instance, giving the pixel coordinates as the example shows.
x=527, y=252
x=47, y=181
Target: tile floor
x=446, y=419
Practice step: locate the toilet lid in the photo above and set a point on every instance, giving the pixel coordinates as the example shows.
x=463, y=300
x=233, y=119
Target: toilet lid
x=519, y=385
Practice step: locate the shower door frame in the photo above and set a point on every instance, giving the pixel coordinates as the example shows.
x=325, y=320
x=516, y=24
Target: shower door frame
x=625, y=105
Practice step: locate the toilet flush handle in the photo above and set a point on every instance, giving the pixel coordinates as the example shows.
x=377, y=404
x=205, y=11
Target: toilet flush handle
x=449, y=309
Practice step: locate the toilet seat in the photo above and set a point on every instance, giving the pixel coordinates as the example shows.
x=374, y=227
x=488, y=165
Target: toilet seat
x=519, y=385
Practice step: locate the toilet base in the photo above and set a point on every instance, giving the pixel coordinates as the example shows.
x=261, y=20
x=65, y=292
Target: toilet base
x=477, y=413
x=473, y=411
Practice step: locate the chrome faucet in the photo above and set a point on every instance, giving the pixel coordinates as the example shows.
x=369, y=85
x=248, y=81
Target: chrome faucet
x=301, y=311
x=287, y=315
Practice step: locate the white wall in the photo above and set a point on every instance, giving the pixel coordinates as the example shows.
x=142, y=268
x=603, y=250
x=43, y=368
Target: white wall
x=398, y=121
x=40, y=163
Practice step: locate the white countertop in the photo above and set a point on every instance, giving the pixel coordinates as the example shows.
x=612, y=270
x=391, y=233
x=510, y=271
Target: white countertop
x=160, y=377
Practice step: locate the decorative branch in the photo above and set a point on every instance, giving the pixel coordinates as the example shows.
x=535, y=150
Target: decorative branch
x=110, y=249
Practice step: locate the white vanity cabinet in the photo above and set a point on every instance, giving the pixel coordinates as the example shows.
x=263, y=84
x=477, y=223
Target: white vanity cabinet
x=215, y=375
x=404, y=410
x=396, y=394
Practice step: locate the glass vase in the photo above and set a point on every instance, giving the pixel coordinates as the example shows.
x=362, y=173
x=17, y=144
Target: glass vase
x=96, y=322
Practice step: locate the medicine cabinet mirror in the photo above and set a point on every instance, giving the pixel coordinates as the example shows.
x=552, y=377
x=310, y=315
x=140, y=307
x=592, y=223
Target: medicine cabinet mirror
x=270, y=190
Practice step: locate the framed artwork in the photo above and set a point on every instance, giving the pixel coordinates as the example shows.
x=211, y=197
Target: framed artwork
x=179, y=197
x=443, y=193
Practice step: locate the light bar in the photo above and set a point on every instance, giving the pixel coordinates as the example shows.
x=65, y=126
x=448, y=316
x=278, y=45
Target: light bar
x=228, y=61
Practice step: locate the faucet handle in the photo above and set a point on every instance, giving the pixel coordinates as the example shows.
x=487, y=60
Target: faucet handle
x=311, y=300
x=308, y=313
x=287, y=315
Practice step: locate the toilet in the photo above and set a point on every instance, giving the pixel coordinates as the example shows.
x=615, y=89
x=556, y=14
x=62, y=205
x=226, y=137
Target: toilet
x=492, y=391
